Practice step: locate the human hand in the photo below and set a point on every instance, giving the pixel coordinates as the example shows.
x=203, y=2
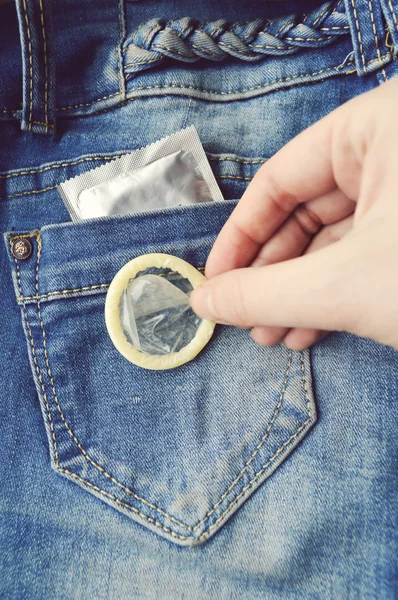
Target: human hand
x=313, y=243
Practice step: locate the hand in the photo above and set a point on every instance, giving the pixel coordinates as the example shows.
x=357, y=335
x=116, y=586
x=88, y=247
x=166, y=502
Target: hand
x=313, y=243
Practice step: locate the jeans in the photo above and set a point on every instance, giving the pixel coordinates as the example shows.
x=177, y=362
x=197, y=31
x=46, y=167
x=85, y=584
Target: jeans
x=248, y=472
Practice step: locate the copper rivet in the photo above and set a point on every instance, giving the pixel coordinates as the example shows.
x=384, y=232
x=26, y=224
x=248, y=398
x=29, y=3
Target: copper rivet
x=22, y=248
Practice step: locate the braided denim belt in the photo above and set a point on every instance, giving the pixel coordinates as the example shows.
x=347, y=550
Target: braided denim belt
x=188, y=40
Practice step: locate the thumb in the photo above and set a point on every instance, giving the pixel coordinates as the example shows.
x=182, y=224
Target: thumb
x=312, y=291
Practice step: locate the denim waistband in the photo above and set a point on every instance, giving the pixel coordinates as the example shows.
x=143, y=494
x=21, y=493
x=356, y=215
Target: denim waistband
x=80, y=58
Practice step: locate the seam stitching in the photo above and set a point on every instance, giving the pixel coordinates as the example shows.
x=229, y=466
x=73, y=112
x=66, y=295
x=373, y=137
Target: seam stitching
x=45, y=66
x=255, y=478
x=33, y=352
x=69, y=164
x=358, y=35
x=30, y=65
x=320, y=16
x=334, y=28
x=393, y=14
x=126, y=505
x=81, y=289
x=229, y=93
x=88, y=103
x=113, y=157
x=376, y=40
x=45, y=124
x=47, y=189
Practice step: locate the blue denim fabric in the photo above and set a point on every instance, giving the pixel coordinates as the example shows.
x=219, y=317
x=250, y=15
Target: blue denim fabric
x=190, y=483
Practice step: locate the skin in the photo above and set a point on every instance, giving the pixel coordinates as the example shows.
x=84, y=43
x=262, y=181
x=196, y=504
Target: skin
x=312, y=246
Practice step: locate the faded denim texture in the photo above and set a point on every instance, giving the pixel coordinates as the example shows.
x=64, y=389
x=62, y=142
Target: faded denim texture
x=248, y=472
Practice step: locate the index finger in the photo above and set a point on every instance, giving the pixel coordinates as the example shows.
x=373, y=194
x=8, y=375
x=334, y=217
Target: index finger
x=300, y=171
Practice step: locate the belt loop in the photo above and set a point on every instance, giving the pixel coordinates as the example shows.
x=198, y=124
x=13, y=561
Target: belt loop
x=368, y=31
x=38, y=65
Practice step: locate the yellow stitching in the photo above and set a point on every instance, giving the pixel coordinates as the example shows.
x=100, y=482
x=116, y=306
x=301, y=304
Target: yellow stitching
x=256, y=87
x=45, y=124
x=393, y=14
x=257, y=449
x=32, y=344
x=375, y=38
x=52, y=187
x=20, y=236
x=82, y=289
x=112, y=497
x=68, y=164
x=299, y=39
x=206, y=533
x=279, y=30
x=45, y=64
x=9, y=110
x=89, y=103
x=334, y=28
x=320, y=16
x=72, y=435
x=64, y=292
x=30, y=66
x=358, y=34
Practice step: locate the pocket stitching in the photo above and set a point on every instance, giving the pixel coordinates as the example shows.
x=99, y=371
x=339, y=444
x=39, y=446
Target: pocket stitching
x=205, y=533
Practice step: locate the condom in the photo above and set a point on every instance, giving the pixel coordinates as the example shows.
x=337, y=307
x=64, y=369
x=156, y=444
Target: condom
x=148, y=314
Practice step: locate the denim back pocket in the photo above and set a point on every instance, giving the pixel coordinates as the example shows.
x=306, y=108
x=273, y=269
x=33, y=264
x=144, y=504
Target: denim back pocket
x=179, y=451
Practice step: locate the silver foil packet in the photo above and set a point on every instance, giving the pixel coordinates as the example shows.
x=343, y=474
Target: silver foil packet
x=170, y=172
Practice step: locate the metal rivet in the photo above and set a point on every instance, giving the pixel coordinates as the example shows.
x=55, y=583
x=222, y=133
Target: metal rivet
x=22, y=248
